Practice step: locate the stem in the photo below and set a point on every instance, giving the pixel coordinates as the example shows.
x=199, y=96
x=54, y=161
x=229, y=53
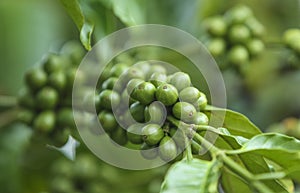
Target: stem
x=7, y=101
x=235, y=167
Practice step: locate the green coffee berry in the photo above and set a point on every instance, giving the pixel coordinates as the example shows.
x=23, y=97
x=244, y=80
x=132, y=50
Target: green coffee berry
x=134, y=134
x=71, y=75
x=200, y=119
x=256, y=28
x=239, y=34
x=132, y=73
x=109, y=83
x=47, y=98
x=189, y=94
x=45, y=121
x=36, y=78
x=57, y=80
x=108, y=99
x=180, y=80
x=167, y=149
x=158, y=78
x=62, y=184
x=108, y=121
x=143, y=66
x=144, y=93
x=65, y=118
x=255, y=46
x=119, y=136
x=290, y=35
x=216, y=26
x=137, y=111
x=167, y=94
x=152, y=134
x=118, y=69
x=238, y=55
x=184, y=111
x=26, y=99
x=238, y=14
x=155, y=68
x=85, y=168
x=126, y=99
x=201, y=103
x=74, y=50
x=132, y=84
x=217, y=46
x=149, y=152
x=155, y=113
x=26, y=116
x=53, y=63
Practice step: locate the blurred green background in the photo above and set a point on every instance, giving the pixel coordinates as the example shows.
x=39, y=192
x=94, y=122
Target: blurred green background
x=29, y=29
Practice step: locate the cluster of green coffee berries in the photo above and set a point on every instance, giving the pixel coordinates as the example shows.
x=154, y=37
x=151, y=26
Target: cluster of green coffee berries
x=235, y=36
x=134, y=101
x=291, y=39
x=87, y=174
x=46, y=99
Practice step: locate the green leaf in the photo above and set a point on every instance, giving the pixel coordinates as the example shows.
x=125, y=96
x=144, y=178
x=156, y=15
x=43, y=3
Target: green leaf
x=129, y=12
x=232, y=183
x=236, y=123
x=84, y=26
x=196, y=176
x=281, y=149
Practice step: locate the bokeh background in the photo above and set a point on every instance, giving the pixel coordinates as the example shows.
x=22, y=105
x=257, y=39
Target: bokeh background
x=267, y=93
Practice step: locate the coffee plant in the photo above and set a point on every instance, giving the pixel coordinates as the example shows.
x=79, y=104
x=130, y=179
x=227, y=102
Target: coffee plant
x=162, y=110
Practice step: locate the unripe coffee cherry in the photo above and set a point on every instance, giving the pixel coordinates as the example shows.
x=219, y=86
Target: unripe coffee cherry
x=158, y=78
x=155, y=68
x=26, y=99
x=189, y=94
x=149, y=152
x=256, y=28
x=54, y=63
x=255, y=46
x=108, y=99
x=239, y=34
x=58, y=80
x=290, y=35
x=109, y=83
x=167, y=149
x=137, y=111
x=132, y=84
x=47, y=98
x=144, y=93
x=152, y=134
x=200, y=119
x=65, y=118
x=36, y=78
x=132, y=73
x=217, y=46
x=238, y=55
x=119, y=136
x=108, y=121
x=201, y=102
x=184, y=111
x=134, y=134
x=26, y=116
x=45, y=121
x=216, y=26
x=167, y=94
x=180, y=80
x=238, y=14
x=155, y=113
x=118, y=69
